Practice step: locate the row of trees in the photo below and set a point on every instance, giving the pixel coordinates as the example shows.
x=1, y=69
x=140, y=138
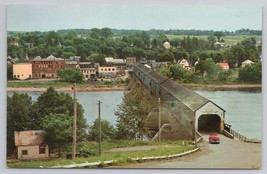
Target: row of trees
x=101, y=43
x=120, y=32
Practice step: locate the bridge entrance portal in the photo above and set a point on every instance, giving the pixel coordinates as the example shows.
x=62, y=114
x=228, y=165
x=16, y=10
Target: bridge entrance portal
x=209, y=123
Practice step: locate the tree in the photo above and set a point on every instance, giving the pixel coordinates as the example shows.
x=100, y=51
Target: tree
x=97, y=58
x=251, y=73
x=132, y=114
x=57, y=130
x=165, y=57
x=211, y=69
x=106, y=32
x=9, y=71
x=178, y=72
x=69, y=75
x=53, y=102
x=107, y=130
x=218, y=35
x=164, y=71
x=19, y=107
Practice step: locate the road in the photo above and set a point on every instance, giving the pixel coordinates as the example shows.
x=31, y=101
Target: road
x=230, y=154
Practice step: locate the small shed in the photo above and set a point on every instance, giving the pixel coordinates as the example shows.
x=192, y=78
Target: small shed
x=30, y=145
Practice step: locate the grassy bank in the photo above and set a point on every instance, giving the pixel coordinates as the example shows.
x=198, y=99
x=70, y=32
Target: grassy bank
x=162, y=148
x=231, y=84
x=225, y=87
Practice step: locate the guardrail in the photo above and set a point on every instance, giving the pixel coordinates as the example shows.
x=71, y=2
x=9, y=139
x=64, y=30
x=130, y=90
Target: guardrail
x=238, y=135
x=227, y=127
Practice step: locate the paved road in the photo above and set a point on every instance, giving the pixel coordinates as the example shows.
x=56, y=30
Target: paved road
x=230, y=154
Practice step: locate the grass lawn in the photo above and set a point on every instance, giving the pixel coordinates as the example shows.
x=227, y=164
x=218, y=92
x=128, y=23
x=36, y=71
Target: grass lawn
x=57, y=84
x=165, y=148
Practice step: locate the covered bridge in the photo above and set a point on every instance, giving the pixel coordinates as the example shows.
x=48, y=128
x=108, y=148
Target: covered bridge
x=192, y=112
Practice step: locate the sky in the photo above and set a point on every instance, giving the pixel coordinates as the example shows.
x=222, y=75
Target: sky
x=134, y=16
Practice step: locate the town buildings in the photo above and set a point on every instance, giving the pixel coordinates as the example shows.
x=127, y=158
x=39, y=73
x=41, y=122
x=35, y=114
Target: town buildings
x=46, y=68
x=130, y=61
x=22, y=71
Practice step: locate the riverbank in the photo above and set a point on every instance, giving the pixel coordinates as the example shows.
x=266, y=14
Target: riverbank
x=69, y=88
x=224, y=87
x=208, y=87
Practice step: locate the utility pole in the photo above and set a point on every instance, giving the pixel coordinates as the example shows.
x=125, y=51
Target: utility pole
x=74, y=122
x=99, y=126
x=159, y=134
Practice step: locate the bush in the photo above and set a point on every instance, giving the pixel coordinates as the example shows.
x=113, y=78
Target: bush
x=251, y=73
x=69, y=75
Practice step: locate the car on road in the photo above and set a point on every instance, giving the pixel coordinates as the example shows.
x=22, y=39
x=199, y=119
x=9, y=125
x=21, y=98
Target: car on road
x=214, y=139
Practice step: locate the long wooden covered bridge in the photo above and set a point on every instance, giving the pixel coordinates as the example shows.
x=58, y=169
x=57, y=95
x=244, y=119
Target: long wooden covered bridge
x=184, y=113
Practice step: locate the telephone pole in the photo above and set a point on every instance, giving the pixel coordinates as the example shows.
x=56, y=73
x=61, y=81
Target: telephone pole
x=99, y=126
x=159, y=134
x=74, y=122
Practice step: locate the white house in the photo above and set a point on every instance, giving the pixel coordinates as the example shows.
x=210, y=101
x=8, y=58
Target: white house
x=246, y=62
x=167, y=45
x=185, y=64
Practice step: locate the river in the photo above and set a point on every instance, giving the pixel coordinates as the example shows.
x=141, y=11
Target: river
x=243, y=109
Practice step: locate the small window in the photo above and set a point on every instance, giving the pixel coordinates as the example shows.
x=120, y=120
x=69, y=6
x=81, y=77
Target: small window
x=24, y=152
x=42, y=149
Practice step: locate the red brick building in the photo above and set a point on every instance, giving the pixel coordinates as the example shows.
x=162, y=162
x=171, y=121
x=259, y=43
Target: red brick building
x=47, y=67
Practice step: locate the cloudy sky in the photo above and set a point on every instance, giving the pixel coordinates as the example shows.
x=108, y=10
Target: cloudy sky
x=135, y=16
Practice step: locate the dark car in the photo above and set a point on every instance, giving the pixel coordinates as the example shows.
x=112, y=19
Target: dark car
x=214, y=139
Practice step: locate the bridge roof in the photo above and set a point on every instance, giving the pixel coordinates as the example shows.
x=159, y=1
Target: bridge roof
x=188, y=97
x=156, y=77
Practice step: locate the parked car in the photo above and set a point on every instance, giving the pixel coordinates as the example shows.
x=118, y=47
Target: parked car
x=214, y=139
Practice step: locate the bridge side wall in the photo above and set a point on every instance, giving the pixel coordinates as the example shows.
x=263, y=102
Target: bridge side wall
x=178, y=110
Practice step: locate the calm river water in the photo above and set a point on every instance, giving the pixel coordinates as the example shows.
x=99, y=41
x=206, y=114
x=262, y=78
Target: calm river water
x=243, y=109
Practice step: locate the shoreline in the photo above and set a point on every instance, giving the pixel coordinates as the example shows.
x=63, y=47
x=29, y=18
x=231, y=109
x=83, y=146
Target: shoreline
x=224, y=87
x=69, y=88
x=209, y=87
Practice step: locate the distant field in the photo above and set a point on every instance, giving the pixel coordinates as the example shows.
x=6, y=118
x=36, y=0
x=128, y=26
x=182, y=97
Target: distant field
x=229, y=40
